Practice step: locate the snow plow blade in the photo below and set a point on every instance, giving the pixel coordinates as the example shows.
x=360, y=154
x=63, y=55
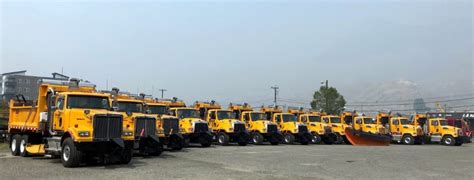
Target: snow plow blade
x=358, y=138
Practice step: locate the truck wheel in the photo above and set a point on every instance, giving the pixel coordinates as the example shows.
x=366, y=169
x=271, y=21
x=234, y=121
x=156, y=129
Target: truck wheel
x=257, y=139
x=157, y=148
x=408, y=139
x=316, y=139
x=187, y=139
x=289, y=138
x=23, y=143
x=223, y=139
x=15, y=145
x=70, y=156
x=448, y=141
x=339, y=139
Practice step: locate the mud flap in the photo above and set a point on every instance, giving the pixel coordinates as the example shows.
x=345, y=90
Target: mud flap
x=119, y=142
x=358, y=138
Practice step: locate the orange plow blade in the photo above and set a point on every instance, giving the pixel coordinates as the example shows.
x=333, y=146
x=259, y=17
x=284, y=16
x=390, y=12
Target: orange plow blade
x=358, y=138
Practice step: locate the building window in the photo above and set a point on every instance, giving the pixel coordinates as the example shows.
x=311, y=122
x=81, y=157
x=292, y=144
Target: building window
x=26, y=90
x=27, y=81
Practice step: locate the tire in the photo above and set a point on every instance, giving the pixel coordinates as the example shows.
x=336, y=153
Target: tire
x=186, y=141
x=23, y=143
x=257, y=139
x=316, y=139
x=157, y=148
x=448, y=141
x=15, y=145
x=408, y=139
x=223, y=139
x=70, y=155
x=289, y=138
x=339, y=139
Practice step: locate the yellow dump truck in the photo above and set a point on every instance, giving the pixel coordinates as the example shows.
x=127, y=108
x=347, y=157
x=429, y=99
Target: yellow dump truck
x=144, y=126
x=338, y=128
x=438, y=130
x=261, y=130
x=405, y=131
x=365, y=132
x=321, y=131
x=194, y=129
x=225, y=127
x=292, y=130
x=167, y=126
x=71, y=120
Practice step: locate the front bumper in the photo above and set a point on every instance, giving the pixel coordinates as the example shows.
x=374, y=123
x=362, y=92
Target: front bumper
x=274, y=137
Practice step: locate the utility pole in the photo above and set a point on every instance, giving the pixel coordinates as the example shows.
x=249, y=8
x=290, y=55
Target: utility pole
x=162, y=92
x=275, y=90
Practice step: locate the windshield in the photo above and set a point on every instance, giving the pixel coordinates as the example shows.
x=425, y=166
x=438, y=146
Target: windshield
x=335, y=120
x=130, y=107
x=289, y=118
x=158, y=109
x=225, y=115
x=443, y=122
x=88, y=102
x=348, y=119
x=258, y=116
x=188, y=113
x=369, y=121
x=314, y=118
x=404, y=121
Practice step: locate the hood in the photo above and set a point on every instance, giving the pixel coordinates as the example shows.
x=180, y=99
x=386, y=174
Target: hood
x=83, y=114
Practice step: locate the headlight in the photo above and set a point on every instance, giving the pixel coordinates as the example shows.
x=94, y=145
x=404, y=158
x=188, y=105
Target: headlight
x=181, y=130
x=128, y=133
x=84, y=134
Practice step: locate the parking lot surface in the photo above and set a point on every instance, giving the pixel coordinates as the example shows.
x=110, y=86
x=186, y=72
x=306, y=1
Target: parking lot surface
x=266, y=162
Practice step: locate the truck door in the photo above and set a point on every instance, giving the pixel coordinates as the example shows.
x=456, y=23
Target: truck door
x=59, y=113
x=395, y=126
x=358, y=124
x=434, y=127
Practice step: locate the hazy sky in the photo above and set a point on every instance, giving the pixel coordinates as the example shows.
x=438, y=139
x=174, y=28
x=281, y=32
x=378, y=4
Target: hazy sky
x=236, y=50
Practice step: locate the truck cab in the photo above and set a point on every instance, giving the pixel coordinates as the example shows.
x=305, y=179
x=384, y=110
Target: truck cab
x=405, y=131
x=383, y=123
x=320, y=130
x=195, y=129
x=143, y=125
x=438, y=130
x=167, y=126
x=366, y=124
x=292, y=130
x=464, y=125
x=261, y=130
x=337, y=126
x=69, y=119
x=224, y=125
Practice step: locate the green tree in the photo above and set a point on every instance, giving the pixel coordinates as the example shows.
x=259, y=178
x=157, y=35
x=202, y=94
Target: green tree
x=328, y=100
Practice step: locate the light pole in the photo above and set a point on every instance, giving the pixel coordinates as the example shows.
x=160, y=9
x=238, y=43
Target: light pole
x=162, y=92
x=275, y=90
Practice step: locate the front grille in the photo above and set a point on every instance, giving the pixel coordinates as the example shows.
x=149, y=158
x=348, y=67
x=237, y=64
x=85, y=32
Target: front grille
x=170, y=125
x=239, y=128
x=201, y=127
x=107, y=126
x=145, y=126
x=302, y=129
x=271, y=128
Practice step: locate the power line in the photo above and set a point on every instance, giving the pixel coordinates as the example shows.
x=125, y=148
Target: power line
x=408, y=110
x=411, y=100
x=405, y=104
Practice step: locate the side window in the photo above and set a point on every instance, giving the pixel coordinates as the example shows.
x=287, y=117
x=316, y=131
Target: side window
x=434, y=123
x=213, y=115
x=60, y=104
x=247, y=117
x=358, y=121
x=173, y=113
x=326, y=120
x=303, y=119
x=278, y=118
x=396, y=122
